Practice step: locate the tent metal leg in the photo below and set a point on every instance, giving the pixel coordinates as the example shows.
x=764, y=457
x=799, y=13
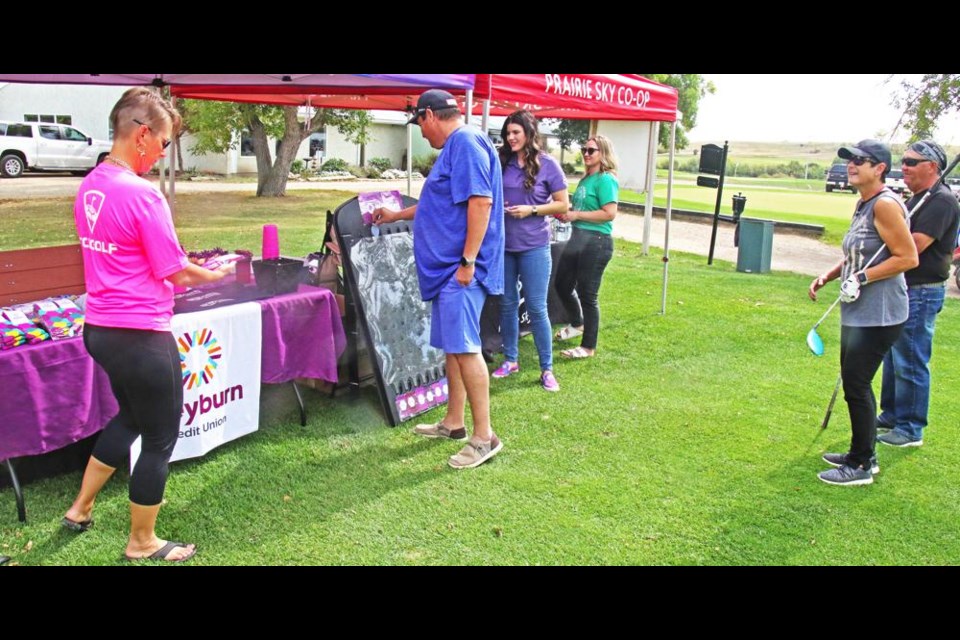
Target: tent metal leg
x=303, y=411
x=17, y=491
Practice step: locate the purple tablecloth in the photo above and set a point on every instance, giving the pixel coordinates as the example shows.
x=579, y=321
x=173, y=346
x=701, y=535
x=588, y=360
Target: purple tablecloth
x=302, y=336
x=53, y=394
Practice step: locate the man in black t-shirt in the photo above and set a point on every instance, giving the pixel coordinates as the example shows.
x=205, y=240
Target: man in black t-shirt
x=905, y=397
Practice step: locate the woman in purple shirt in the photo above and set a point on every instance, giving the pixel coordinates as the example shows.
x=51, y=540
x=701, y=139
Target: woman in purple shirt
x=534, y=188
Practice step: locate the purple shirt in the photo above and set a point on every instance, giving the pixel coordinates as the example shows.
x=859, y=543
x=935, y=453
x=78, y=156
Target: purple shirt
x=533, y=231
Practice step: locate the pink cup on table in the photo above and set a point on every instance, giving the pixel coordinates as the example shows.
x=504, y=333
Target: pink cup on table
x=271, y=244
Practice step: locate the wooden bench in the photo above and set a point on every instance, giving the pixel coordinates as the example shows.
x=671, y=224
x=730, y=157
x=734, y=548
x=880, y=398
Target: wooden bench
x=27, y=275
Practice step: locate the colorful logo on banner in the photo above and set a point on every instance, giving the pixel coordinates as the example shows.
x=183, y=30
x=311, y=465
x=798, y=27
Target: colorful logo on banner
x=199, y=355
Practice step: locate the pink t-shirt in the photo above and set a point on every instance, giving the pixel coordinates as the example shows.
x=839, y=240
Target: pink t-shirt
x=129, y=246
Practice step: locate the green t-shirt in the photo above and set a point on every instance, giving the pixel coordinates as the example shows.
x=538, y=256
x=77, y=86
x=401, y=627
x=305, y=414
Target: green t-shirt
x=594, y=191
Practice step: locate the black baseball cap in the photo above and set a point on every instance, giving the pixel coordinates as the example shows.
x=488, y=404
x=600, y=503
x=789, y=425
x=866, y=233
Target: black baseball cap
x=435, y=100
x=870, y=149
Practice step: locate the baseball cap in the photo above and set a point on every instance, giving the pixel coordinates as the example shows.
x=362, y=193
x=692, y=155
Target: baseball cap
x=434, y=99
x=872, y=149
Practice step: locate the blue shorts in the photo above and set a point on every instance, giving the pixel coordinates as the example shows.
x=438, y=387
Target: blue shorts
x=455, y=317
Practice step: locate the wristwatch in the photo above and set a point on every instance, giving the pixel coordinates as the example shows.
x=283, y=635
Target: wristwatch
x=862, y=277
x=466, y=262
x=533, y=211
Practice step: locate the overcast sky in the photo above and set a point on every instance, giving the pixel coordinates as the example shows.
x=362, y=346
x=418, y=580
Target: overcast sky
x=804, y=108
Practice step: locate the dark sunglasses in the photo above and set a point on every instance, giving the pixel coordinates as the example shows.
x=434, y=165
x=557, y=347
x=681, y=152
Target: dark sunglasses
x=589, y=151
x=166, y=143
x=859, y=160
x=912, y=162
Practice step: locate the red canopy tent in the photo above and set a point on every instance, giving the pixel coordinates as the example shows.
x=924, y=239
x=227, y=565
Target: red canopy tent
x=261, y=82
x=575, y=96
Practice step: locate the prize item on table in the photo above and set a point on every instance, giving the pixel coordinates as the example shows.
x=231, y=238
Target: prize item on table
x=54, y=320
x=73, y=313
x=17, y=329
x=271, y=244
x=216, y=262
x=373, y=200
x=215, y=258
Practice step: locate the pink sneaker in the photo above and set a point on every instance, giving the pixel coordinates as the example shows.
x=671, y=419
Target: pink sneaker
x=548, y=382
x=506, y=369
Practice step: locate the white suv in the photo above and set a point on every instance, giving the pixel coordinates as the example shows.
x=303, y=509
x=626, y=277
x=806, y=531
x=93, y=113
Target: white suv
x=895, y=181
x=46, y=146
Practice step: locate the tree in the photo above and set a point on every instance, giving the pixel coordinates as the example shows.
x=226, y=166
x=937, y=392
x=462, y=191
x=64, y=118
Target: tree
x=690, y=88
x=356, y=128
x=570, y=131
x=924, y=102
x=217, y=127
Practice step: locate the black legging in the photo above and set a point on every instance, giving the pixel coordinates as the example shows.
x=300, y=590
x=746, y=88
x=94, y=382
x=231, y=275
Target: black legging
x=144, y=372
x=579, y=272
x=861, y=352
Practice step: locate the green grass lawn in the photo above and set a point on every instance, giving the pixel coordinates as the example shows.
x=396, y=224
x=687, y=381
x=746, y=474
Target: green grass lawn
x=773, y=199
x=692, y=438
x=231, y=220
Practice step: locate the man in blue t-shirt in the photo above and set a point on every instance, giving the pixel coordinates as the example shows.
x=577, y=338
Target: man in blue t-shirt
x=458, y=248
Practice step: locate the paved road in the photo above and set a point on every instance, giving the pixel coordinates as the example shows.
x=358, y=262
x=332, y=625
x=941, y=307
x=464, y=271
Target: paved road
x=795, y=253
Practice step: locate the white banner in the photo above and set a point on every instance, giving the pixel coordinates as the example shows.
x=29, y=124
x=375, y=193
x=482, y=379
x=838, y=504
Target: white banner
x=220, y=366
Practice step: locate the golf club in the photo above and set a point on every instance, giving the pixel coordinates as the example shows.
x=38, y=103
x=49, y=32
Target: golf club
x=814, y=341
x=833, y=398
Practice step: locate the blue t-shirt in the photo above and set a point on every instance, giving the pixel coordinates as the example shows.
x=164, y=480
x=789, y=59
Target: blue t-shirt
x=467, y=166
x=533, y=231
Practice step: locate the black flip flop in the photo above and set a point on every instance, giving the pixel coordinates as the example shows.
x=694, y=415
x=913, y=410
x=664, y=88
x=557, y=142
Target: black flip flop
x=73, y=525
x=163, y=552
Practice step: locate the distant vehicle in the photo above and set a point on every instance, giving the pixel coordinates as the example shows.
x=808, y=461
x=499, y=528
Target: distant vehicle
x=954, y=184
x=47, y=146
x=895, y=181
x=837, y=178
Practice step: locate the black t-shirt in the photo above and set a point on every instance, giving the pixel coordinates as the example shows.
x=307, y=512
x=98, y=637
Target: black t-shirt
x=938, y=218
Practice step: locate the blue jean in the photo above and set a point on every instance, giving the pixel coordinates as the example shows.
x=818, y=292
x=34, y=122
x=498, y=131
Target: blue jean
x=905, y=394
x=532, y=267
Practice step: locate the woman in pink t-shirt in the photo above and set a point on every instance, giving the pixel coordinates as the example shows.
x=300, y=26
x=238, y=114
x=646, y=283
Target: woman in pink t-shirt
x=132, y=259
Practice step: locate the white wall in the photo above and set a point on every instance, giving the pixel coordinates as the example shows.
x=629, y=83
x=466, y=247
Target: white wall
x=88, y=106
x=210, y=162
x=390, y=141
x=338, y=147
x=630, y=140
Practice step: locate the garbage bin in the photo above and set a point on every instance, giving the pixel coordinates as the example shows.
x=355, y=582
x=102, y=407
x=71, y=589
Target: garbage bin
x=756, y=245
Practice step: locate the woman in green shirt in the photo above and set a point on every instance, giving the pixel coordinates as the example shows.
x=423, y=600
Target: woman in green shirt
x=590, y=247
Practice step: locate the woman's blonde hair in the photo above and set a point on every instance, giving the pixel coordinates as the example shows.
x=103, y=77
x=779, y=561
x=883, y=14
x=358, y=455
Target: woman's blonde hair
x=608, y=158
x=145, y=105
